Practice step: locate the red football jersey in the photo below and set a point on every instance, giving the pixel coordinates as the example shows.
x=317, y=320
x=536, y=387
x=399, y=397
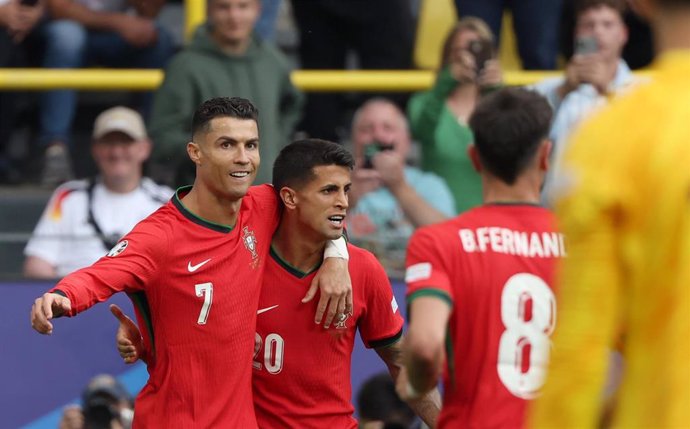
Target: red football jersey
x=195, y=287
x=494, y=265
x=301, y=370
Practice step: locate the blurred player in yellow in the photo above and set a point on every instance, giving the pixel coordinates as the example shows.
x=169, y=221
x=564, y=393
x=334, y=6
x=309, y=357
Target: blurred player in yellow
x=624, y=205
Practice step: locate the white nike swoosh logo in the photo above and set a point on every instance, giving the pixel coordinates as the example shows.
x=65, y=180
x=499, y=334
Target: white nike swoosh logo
x=263, y=310
x=191, y=268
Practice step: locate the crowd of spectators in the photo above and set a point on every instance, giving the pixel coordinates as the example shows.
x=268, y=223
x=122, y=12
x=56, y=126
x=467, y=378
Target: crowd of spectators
x=412, y=163
x=411, y=150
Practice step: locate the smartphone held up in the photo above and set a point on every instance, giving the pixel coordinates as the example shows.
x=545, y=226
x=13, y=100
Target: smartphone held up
x=482, y=51
x=586, y=45
x=371, y=149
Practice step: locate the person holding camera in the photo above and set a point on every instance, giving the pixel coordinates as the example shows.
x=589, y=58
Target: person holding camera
x=595, y=72
x=106, y=404
x=438, y=117
x=389, y=198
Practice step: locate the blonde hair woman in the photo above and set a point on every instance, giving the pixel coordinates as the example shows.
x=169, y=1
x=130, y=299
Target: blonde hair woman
x=438, y=117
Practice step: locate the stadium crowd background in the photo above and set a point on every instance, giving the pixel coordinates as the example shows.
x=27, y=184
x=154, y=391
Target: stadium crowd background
x=410, y=40
x=424, y=24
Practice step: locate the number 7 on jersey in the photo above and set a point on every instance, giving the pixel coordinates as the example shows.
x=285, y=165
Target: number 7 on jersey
x=205, y=290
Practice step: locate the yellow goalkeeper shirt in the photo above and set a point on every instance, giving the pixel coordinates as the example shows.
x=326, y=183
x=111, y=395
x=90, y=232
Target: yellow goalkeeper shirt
x=625, y=211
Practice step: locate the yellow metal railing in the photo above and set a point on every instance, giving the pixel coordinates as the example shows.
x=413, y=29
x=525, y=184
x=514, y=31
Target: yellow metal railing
x=306, y=80
x=194, y=14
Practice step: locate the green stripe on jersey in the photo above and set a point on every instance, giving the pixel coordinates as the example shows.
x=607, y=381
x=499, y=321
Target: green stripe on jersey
x=438, y=293
x=142, y=304
x=385, y=342
x=450, y=356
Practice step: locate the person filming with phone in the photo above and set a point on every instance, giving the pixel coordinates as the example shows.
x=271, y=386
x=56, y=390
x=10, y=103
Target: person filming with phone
x=389, y=198
x=594, y=73
x=438, y=117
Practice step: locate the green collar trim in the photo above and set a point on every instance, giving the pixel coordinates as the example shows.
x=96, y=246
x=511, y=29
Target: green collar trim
x=177, y=202
x=289, y=268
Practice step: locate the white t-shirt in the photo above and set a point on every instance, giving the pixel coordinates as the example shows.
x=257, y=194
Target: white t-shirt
x=66, y=238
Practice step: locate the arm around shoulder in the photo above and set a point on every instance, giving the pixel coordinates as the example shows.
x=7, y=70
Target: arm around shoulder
x=334, y=283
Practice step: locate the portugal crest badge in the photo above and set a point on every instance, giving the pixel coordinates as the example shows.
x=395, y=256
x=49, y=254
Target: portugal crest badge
x=250, y=244
x=341, y=320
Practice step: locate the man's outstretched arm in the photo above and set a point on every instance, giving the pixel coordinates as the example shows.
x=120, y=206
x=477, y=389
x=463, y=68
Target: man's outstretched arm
x=47, y=307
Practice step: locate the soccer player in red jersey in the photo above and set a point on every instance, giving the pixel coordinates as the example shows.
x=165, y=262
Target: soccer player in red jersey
x=193, y=270
x=301, y=371
x=483, y=279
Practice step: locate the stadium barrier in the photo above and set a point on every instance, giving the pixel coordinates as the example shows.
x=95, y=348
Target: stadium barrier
x=194, y=15
x=42, y=374
x=307, y=80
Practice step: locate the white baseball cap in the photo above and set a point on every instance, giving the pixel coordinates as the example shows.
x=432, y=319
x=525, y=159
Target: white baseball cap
x=122, y=119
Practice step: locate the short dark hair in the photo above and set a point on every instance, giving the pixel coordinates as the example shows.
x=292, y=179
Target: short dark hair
x=508, y=126
x=234, y=107
x=377, y=400
x=295, y=163
x=583, y=5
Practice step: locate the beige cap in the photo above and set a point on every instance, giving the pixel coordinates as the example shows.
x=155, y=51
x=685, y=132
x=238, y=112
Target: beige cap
x=121, y=119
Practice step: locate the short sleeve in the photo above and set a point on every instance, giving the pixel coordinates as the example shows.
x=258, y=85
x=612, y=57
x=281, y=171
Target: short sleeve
x=382, y=323
x=426, y=272
x=45, y=242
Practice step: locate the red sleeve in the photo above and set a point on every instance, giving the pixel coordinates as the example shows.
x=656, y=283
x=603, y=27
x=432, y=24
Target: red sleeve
x=381, y=323
x=426, y=272
x=129, y=266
